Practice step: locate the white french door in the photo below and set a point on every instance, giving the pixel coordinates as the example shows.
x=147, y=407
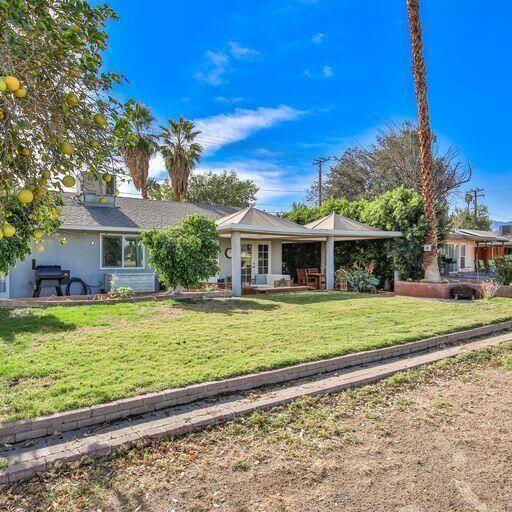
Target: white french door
x=255, y=259
x=4, y=286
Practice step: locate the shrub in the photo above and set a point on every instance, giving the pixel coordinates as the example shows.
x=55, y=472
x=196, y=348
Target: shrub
x=397, y=210
x=504, y=270
x=186, y=254
x=359, y=277
x=489, y=289
x=123, y=292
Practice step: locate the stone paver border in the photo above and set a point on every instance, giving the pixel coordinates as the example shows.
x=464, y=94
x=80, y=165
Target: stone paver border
x=33, y=428
x=25, y=462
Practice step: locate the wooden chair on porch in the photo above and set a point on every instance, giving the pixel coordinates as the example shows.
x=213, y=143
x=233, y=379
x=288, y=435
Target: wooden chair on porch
x=303, y=278
x=320, y=278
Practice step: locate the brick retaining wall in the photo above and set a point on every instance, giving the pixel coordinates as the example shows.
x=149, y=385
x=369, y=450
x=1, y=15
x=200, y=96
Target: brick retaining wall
x=62, y=422
x=439, y=290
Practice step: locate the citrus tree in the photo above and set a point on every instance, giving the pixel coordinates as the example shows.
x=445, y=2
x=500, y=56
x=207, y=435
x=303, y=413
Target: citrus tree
x=186, y=254
x=56, y=114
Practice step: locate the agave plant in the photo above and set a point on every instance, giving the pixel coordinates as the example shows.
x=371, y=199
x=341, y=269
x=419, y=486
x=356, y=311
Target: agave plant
x=138, y=142
x=181, y=153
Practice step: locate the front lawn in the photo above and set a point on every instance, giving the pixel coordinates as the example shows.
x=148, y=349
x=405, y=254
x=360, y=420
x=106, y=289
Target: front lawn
x=67, y=357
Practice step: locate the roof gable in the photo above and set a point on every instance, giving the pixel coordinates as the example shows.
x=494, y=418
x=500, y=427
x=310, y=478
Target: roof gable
x=338, y=222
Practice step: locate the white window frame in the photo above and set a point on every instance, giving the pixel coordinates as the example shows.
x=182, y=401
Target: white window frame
x=122, y=267
x=6, y=294
x=269, y=264
x=465, y=255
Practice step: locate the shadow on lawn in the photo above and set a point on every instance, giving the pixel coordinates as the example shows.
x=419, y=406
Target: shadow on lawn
x=319, y=297
x=20, y=321
x=230, y=306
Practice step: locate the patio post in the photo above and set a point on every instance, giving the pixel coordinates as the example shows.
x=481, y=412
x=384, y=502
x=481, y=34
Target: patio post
x=322, y=257
x=236, y=264
x=329, y=263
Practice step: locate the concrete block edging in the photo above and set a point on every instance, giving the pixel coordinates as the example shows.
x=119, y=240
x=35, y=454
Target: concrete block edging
x=13, y=432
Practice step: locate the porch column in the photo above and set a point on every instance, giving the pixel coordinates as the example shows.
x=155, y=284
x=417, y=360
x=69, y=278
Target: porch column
x=322, y=256
x=236, y=264
x=329, y=262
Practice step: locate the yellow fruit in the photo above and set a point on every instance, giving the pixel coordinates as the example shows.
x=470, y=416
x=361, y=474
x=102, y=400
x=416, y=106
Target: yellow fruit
x=20, y=93
x=2, y=115
x=38, y=235
x=68, y=181
x=107, y=178
x=3, y=85
x=9, y=231
x=25, y=151
x=25, y=196
x=46, y=174
x=39, y=192
x=72, y=99
x=39, y=248
x=66, y=148
x=99, y=119
x=13, y=84
x=94, y=143
x=102, y=200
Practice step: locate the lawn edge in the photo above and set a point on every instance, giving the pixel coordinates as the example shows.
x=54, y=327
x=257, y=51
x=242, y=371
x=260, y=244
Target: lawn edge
x=33, y=428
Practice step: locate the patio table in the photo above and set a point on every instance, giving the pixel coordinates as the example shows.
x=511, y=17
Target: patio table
x=318, y=276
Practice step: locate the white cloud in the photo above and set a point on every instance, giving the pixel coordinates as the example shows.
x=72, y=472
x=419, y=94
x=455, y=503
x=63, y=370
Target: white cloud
x=215, y=69
x=327, y=72
x=223, y=129
x=240, y=52
x=218, y=62
x=224, y=99
x=307, y=73
x=318, y=38
x=279, y=184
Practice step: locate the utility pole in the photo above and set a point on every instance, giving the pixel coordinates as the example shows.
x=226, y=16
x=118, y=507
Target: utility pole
x=319, y=162
x=476, y=193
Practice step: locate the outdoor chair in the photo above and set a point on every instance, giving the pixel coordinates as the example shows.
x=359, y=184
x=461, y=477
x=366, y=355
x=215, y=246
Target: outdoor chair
x=492, y=265
x=303, y=278
x=482, y=267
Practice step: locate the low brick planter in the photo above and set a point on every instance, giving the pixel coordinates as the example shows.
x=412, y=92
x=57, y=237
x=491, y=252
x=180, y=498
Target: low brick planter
x=88, y=300
x=441, y=290
x=33, y=428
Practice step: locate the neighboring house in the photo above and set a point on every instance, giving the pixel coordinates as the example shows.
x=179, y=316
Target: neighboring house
x=464, y=247
x=102, y=242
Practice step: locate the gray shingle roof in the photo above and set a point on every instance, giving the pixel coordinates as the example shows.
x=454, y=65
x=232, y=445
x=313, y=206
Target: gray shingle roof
x=136, y=213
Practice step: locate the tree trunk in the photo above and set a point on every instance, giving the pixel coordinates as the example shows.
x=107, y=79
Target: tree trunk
x=430, y=263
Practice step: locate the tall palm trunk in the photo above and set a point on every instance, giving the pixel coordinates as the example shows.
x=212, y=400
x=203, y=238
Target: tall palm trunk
x=430, y=263
x=137, y=162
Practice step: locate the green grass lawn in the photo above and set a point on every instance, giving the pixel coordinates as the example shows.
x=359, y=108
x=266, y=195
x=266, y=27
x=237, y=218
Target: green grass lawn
x=67, y=357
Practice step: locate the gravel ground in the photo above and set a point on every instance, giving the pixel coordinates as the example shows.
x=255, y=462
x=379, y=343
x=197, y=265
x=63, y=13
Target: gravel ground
x=437, y=439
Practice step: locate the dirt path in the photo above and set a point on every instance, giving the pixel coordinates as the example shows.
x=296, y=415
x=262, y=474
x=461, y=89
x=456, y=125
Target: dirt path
x=438, y=439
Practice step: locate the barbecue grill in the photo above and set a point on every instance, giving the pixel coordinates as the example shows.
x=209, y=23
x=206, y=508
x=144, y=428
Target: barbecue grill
x=49, y=276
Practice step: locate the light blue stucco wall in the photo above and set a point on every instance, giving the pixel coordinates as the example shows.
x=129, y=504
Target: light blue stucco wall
x=80, y=255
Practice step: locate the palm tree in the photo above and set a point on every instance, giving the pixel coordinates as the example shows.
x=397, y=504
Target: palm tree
x=181, y=153
x=138, y=142
x=430, y=263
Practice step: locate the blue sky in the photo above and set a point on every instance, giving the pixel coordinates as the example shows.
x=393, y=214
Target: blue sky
x=274, y=84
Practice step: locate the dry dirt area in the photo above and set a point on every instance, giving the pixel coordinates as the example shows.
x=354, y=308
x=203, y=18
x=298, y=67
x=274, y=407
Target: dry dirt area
x=438, y=439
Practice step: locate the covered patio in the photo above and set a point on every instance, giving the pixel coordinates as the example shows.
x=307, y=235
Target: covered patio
x=251, y=245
